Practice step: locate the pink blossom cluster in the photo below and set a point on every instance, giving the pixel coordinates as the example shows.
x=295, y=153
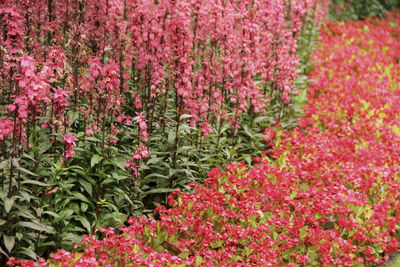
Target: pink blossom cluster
x=209, y=52
x=206, y=54
x=142, y=122
x=141, y=153
x=6, y=128
x=69, y=144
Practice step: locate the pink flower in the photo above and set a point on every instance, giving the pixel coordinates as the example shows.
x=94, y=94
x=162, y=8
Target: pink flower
x=131, y=164
x=206, y=129
x=303, y=260
x=140, y=119
x=69, y=143
x=69, y=139
x=89, y=132
x=51, y=192
x=45, y=124
x=6, y=128
x=60, y=99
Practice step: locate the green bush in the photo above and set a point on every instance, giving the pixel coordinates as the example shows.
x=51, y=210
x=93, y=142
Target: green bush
x=360, y=9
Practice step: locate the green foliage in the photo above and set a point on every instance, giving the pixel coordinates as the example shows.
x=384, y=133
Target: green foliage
x=54, y=201
x=360, y=9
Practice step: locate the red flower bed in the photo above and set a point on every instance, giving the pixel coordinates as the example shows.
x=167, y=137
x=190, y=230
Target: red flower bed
x=327, y=193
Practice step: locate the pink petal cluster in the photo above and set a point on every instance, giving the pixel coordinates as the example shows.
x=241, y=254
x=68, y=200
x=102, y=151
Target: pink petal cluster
x=69, y=143
x=6, y=128
x=141, y=153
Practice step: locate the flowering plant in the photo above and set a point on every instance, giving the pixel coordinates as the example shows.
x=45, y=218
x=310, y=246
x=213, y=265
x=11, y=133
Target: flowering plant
x=326, y=193
x=106, y=106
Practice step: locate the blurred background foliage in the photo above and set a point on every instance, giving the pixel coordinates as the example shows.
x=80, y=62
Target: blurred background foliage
x=360, y=9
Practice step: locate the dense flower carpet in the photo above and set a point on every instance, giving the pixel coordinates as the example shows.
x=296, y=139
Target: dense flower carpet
x=325, y=194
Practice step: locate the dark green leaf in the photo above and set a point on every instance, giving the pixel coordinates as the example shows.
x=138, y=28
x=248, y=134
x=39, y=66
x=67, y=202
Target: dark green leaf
x=85, y=223
x=26, y=171
x=44, y=147
x=159, y=190
x=119, y=162
x=95, y=159
x=25, y=212
x=3, y=252
x=85, y=184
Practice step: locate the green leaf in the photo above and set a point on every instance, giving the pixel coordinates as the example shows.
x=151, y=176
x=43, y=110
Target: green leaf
x=2, y=222
x=8, y=203
x=95, y=159
x=87, y=186
x=80, y=135
x=19, y=236
x=85, y=223
x=26, y=196
x=3, y=252
x=4, y=164
x=287, y=253
x=9, y=242
x=185, y=116
x=122, y=192
x=153, y=161
x=44, y=147
x=159, y=190
x=84, y=207
x=216, y=244
x=25, y=212
x=55, y=215
x=303, y=233
x=29, y=252
x=154, y=176
x=36, y=226
x=172, y=172
x=93, y=139
x=70, y=237
x=199, y=260
x=184, y=254
x=66, y=213
x=26, y=171
x=248, y=131
x=395, y=129
x=112, y=137
x=34, y=182
x=80, y=196
x=119, y=162
x=29, y=157
x=171, y=136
